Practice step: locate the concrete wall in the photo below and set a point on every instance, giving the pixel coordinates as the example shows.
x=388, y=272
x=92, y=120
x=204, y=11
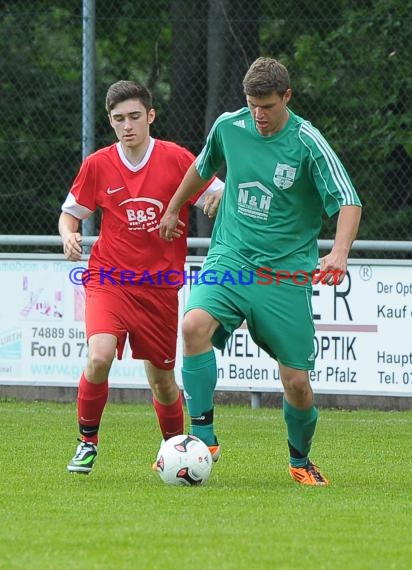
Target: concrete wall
x=64, y=394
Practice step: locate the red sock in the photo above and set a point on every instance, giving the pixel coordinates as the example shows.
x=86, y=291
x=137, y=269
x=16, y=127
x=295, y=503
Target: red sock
x=91, y=400
x=170, y=417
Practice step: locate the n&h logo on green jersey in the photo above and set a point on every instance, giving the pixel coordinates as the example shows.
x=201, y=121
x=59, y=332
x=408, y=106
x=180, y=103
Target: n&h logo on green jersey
x=284, y=176
x=254, y=200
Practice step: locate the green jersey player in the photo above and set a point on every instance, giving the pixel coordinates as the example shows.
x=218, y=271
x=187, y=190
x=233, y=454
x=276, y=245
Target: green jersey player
x=281, y=175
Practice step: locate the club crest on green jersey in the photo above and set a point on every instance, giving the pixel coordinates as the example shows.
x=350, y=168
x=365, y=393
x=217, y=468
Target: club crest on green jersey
x=284, y=176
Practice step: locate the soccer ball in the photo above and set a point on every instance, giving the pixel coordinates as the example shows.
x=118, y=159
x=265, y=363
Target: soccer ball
x=184, y=460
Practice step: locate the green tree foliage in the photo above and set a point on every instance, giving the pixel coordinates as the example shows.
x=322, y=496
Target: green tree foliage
x=352, y=79
x=369, y=84
x=40, y=51
x=349, y=63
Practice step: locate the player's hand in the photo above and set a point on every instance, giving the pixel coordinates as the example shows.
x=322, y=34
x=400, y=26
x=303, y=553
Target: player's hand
x=72, y=247
x=211, y=204
x=333, y=267
x=170, y=225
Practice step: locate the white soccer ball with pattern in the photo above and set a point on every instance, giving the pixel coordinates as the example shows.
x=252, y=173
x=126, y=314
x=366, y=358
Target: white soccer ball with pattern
x=184, y=460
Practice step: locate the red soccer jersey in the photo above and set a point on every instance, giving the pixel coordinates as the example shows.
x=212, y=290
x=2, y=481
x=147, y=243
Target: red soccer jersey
x=133, y=200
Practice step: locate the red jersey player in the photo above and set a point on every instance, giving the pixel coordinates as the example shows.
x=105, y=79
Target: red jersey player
x=133, y=275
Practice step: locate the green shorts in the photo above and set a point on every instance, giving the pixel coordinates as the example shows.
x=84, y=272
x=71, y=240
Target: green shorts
x=279, y=316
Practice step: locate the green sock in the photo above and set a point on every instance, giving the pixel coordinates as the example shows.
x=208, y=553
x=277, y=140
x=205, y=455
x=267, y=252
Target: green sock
x=199, y=375
x=301, y=425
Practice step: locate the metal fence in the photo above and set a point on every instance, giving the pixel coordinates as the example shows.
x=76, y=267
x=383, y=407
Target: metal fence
x=349, y=63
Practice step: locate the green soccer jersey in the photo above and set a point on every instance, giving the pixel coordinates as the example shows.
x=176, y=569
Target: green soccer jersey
x=276, y=189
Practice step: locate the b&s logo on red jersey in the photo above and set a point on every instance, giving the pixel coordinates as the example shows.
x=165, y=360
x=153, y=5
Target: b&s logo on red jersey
x=142, y=213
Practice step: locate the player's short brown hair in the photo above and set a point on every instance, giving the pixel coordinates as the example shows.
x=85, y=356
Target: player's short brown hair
x=123, y=90
x=265, y=76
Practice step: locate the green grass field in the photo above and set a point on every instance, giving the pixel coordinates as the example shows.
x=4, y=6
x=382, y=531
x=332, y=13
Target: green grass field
x=251, y=514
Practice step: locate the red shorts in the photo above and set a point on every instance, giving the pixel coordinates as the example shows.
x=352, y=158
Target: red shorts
x=149, y=315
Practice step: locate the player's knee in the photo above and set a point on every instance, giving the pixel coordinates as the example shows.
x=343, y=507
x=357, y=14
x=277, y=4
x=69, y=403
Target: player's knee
x=296, y=381
x=166, y=392
x=298, y=385
x=194, y=329
x=161, y=380
x=99, y=362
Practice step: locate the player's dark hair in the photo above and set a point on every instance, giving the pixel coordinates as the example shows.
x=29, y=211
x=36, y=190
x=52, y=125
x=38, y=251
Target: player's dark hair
x=265, y=76
x=123, y=90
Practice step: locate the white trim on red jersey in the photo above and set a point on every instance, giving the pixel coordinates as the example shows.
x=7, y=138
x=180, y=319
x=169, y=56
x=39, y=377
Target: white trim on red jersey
x=142, y=163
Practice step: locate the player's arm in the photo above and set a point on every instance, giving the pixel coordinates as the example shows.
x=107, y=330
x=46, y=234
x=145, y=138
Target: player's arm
x=71, y=238
x=335, y=263
x=209, y=200
x=170, y=224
